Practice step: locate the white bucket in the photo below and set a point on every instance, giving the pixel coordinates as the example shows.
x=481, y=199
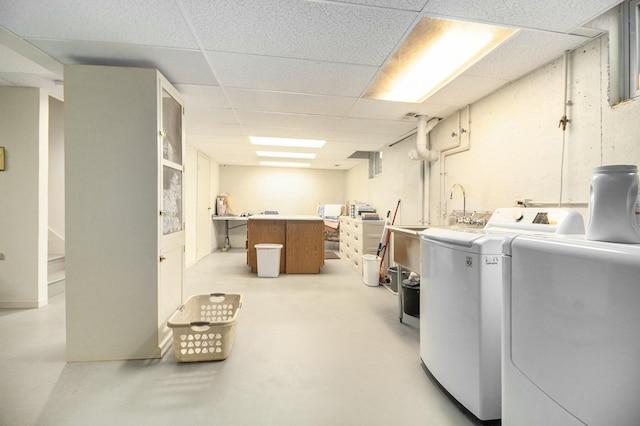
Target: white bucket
x=371, y=270
x=613, y=205
x=268, y=259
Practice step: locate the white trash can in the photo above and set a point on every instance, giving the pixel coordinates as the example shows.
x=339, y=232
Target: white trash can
x=371, y=270
x=268, y=259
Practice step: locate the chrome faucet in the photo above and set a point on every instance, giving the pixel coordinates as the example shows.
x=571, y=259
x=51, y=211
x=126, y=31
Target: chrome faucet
x=464, y=199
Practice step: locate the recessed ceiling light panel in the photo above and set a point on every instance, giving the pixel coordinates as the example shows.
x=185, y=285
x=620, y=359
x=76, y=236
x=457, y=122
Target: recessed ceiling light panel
x=300, y=143
x=283, y=164
x=279, y=154
x=435, y=52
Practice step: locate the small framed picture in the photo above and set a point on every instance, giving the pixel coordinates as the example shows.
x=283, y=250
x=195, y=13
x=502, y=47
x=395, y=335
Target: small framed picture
x=1, y=158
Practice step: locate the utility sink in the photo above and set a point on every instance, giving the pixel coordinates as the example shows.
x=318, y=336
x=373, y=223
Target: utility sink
x=406, y=245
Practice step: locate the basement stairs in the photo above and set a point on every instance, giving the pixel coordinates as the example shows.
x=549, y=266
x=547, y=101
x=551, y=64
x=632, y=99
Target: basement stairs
x=55, y=274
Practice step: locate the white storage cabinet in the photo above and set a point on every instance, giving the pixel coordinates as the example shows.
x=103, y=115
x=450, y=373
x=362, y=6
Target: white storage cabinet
x=359, y=237
x=124, y=146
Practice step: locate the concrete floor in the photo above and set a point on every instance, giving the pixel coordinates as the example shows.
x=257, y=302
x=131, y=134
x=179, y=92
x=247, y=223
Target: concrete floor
x=310, y=350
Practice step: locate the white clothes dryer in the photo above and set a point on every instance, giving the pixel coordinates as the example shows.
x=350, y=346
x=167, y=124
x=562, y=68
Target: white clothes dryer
x=571, y=332
x=461, y=301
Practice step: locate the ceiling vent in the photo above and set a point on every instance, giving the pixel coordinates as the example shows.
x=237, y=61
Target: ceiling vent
x=360, y=155
x=409, y=116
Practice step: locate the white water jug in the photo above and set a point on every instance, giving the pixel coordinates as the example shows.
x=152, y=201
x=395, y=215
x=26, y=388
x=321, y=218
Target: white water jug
x=613, y=205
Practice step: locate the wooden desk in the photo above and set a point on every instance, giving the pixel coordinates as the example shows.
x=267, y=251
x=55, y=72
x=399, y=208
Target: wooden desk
x=301, y=236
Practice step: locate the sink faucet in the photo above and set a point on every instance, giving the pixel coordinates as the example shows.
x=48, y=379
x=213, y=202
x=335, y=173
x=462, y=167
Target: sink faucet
x=464, y=199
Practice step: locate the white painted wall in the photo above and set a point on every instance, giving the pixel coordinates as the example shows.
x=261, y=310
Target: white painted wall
x=515, y=146
x=400, y=180
x=56, y=177
x=24, y=117
x=190, y=204
x=289, y=191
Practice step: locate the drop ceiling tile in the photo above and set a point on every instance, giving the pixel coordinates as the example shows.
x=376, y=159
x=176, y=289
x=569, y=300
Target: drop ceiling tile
x=210, y=129
x=220, y=140
x=467, y=90
x=210, y=115
x=267, y=101
x=179, y=66
x=389, y=127
x=296, y=121
x=152, y=23
x=363, y=137
x=550, y=15
x=414, y=5
x=238, y=149
x=278, y=132
x=385, y=110
x=300, y=29
x=344, y=150
x=291, y=75
x=524, y=51
x=431, y=109
x=196, y=95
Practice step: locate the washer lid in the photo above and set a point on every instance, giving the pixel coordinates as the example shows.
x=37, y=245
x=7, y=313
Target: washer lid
x=461, y=236
x=469, y=239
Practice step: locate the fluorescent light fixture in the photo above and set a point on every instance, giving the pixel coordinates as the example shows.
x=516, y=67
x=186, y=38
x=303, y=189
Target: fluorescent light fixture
x=435, y=52
x=278, y=154
x=300, y=143
x=283, y=164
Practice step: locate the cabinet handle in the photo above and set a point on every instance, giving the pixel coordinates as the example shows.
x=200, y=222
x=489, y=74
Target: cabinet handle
x=162, y=258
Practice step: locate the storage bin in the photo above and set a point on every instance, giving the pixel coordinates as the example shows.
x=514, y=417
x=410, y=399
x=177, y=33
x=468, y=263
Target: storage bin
x=204, y=327
x=268, y=259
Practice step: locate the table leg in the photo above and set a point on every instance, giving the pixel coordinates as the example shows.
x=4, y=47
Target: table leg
x=400, y=296
x=227, y=243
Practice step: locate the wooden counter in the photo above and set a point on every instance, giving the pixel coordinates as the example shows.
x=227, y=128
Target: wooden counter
x=301, y=236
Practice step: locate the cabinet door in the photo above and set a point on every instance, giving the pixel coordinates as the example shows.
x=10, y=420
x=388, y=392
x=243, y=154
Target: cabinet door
x=172, y=169
x=267, y=232
x=170, y=296
x=304, y=248
x=171, y=255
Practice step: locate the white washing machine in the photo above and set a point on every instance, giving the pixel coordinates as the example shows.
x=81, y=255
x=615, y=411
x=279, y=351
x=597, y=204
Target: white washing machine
x=571, y=332
x=461, y=301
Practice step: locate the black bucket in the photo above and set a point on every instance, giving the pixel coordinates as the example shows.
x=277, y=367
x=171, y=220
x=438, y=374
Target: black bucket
x=411, y=298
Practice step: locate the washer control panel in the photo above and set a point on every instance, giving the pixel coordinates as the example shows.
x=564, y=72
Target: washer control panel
x=554, y=220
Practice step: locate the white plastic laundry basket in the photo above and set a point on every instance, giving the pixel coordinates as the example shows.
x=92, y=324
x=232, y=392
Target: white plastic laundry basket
x=204, y=327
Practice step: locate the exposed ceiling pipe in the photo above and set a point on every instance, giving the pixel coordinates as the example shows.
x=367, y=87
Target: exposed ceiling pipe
x=422, y=151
